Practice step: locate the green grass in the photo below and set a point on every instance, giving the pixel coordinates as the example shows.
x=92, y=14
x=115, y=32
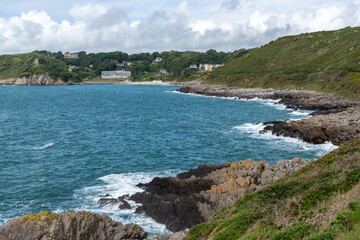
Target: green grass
x=297, y=197
x=325, y=61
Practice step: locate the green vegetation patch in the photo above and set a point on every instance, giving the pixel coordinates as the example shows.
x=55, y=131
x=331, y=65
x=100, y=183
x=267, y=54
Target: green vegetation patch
x=297, y=197
x=326, y=61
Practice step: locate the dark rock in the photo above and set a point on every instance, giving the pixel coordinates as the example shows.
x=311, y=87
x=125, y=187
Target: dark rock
x=202, y=170
x=336, y=128
x=124, y=204
x=105, y=196
x=107, y=201
x=172, y=201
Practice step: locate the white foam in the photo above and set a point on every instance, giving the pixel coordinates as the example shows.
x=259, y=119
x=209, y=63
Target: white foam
x=253, y=130
x=118, y=185
x=250, y=128
x=45, y=146
x=300, y=113
x=274, y=103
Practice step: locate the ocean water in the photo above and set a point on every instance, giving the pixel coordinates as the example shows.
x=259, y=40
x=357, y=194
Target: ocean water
x=61, y=147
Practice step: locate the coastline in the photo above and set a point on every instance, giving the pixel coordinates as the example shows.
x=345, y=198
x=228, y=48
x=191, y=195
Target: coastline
x=43, y=80
x=231, y=188
x=334, y=119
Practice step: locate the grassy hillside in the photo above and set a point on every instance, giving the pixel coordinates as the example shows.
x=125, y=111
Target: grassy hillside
x=327, y=61
x=25, y=65
x=322, y=201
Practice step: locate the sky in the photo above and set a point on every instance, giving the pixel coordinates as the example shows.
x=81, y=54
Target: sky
x=135, y=26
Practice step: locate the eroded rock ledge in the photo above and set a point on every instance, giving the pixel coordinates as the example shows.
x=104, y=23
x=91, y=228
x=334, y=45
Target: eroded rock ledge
x=335, y=119
x=70, y=226
x=336, y=127
x=193, y=197
x=319, y=103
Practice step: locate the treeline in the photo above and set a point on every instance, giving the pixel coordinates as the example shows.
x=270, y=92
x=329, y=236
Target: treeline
x=141, y=65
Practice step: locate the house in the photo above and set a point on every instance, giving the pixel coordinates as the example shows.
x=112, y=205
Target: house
x=193, y=66
x=125, y=64
x=70, y=68
x=158, y=59
x=163, y=72
x=70, y=55
x=115, y=74
x=205, y=67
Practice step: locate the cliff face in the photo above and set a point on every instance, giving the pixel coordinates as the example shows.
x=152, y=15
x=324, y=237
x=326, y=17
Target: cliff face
x=33, y=80
x=70, y=226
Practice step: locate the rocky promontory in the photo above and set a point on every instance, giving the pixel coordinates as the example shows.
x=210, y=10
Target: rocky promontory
x=319, y=103
x=35, y=79
x=70, y=226
x=335, y=119
x=193, y=197
x=336, y=127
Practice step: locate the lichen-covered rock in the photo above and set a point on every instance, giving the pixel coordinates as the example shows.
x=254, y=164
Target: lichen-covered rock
x=175, y=236
x=70, y=226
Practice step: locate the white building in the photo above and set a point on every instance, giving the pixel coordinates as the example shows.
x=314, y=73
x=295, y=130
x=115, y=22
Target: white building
x=70, y=55
x=193, y=66
x=204, y=67
x=158, y=59
x=115, y=74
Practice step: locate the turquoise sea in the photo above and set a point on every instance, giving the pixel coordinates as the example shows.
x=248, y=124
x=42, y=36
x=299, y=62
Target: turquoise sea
x=61, y=147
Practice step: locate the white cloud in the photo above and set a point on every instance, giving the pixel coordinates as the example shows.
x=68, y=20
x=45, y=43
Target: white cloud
x=87, y=11
x=179, y=25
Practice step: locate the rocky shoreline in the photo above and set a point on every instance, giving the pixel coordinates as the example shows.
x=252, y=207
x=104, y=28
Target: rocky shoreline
x=319, y=103
x=179, y=202
x=335, y=119
x=194, y=196
x=38, y=80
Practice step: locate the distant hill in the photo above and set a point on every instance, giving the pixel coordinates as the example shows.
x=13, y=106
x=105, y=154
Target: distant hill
x=28, y=64
x=327, y=61
x=143, y=66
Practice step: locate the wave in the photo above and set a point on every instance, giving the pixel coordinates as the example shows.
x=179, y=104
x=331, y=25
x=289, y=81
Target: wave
x=274, y=103
x=253, y=130
x=45, y=146
x=118, y=185
x=300, y=113
x=2, y=219
x=201, y=95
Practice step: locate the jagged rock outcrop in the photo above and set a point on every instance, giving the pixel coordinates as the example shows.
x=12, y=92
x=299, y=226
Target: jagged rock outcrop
x=175, y=236
x=70, y=226
x=336, y=128
x=320, y=103
x=35, y=79
x=194, y=196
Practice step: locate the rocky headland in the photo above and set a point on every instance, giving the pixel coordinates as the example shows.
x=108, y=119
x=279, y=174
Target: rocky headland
x=335, y=127
x=193, y=197
x=335, y=119
x=319, y=103
x=70, y=226
x=32, y=80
